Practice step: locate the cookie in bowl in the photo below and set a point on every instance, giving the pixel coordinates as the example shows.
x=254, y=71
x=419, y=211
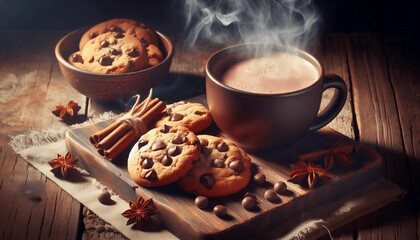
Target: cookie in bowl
x=122, y=25
x=119, y=83
x=112, y=53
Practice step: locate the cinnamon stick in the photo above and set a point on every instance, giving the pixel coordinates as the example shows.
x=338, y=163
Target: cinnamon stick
x=112, y=140
x=114, y=136
x=153, y=112
x=130, y=136
x=120, y=145
x=101, y=134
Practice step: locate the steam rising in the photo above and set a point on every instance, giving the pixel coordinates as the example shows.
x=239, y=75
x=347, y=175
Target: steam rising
x=287, y=22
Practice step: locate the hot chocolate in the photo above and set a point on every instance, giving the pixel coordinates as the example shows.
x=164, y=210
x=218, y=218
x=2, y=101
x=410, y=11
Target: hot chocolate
x=277, y=73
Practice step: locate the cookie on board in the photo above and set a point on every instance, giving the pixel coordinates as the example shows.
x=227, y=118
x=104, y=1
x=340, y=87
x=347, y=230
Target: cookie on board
x=223, y=169
x=191, y=115
x=163, y=155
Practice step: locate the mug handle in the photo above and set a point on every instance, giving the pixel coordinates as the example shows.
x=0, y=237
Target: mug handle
x=335, y=105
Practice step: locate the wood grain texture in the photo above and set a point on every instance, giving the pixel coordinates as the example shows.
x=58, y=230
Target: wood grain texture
x=379, y=127
x=30, y=86
x=403, y=68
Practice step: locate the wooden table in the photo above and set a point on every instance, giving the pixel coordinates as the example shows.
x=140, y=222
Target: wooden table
x=382, y=111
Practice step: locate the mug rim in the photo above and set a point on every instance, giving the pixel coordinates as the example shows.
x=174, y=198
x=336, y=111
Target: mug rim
x=298, y=52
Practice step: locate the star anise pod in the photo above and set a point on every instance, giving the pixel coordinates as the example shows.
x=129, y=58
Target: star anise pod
x=70, y=110
x=310, y=172
x=64, y=164
x=140, y=212
x=339, y=152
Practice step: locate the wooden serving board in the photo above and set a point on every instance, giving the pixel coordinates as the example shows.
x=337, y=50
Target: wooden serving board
x=180, y=215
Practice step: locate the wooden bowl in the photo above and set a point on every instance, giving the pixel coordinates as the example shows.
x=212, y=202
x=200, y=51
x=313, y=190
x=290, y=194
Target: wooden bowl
x=111, y=87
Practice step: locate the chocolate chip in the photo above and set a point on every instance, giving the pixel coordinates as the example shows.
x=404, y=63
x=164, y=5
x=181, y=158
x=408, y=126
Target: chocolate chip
x=159, y=145
x=115, y=52
x=178, y=139
x=141, y=143
x=91, y=60
x=77, y=58
x=106, y=61
x=104, y=43
x=259, y=178
x=176, y=117
x=146, y=163
x=222, y=147
x=115, y=29
x=206, y=151
x=144, y=42
x=201, y=202
x=119, y=35
x=220, y=211
x=236, y=166
x=165, y=128
x=204, y=142
x=132, y=52
x=166, y=160
x=199, y=113
x=151, y=176
x=218, y=163
x=93, y=35
x=173, y=151
x=271, y=196
x=248, y=203
x=207, y=180
x=280, y=187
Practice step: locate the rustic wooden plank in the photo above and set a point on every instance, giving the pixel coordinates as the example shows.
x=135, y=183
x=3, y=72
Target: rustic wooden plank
x=403, y=66
x=379, y=127
x=175, y=206
x=29, y=77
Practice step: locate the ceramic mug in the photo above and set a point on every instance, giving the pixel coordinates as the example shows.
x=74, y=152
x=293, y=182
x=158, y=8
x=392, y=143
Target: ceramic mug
x=258, y=121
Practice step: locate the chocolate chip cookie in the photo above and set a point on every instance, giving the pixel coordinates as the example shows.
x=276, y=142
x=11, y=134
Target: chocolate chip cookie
x=113, y=53
x=163, y=155
x=194, y=116
x=223, y=169
x=154, y=54
x=121, y=25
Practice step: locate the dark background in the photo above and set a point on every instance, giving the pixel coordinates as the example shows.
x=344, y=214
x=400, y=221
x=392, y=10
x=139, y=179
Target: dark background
x=338, y=15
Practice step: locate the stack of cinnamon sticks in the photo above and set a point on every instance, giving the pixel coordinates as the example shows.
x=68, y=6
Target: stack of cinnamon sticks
x=112, y=140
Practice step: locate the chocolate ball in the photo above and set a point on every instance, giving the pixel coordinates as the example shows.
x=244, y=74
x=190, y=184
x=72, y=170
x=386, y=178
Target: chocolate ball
x=259, y=178
x=271, y=195
x=280, y=187
x=220, y=211
x=201, y=202
x=104, y=197
x=248, y=203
